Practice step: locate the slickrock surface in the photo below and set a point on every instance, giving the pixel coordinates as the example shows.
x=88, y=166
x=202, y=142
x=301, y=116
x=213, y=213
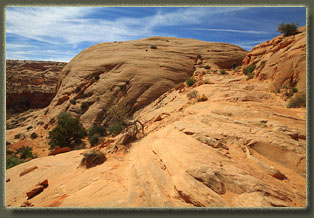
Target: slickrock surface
x=30, y=84
x=232, y=143
x=281, y=60
x=224, y=152
x=135, y=73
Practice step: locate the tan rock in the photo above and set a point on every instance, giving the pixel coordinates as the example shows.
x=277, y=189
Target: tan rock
x=26, y=171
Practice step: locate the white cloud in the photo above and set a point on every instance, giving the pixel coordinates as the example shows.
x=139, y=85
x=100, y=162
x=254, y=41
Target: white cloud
x=232, y=30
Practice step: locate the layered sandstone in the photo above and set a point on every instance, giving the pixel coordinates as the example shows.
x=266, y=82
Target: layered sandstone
x=281, y=60
x=30, y=84
x=134, y=73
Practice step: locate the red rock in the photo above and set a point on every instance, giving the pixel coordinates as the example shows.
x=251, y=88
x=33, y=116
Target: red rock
x=37, y=190
x=43, y=183
x=158, y=118
x=58, y=150
x=8, y=180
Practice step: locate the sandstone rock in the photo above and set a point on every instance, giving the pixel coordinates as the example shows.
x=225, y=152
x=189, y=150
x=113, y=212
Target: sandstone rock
x=58, y=150
x=35, y=191
x=30, y=84
x=28, y=170
x=281, y=60
x=137, y=77
x=8, y=180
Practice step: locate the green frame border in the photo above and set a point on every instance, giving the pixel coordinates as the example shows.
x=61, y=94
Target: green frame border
x=240, y=212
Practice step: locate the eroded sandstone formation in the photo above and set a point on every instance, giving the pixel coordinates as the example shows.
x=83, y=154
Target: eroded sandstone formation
x=281, y=60
x=30, y=84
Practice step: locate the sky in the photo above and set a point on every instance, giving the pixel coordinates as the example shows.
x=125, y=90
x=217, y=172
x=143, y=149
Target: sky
x=60, y=33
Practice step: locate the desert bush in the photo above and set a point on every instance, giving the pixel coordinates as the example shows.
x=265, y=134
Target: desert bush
x=207, y=67
x=199, y=56
x=94, y=139
x=34, y=135
x=249, y=69
x=288, y=29
x=25, y=152
x=115, y=128
x=299, y=100
x=92, y=158
x=84, y=106
x=94, y=133
x=78, y=89
x=12, y=161
x=68, y=132
x=192, y=94
x=190, y=81
x=153, y=47
x=96, y=77
x=222, y=72
x=73, y=101
x=294, y=89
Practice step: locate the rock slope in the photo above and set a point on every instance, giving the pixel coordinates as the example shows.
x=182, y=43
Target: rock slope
x=133, y=72
x=281, y=60
x=240, y=148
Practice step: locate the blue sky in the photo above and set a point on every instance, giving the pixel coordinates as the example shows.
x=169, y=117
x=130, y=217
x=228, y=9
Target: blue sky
x=60, y=33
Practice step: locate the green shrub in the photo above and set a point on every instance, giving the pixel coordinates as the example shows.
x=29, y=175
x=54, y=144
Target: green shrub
x=25, y=152
x=288, y=29
x=299, y=100
x=34, y=135
x=12, y=161
x=190, y=81
x=84, y=106
x=207, y=67
x=153, y=47
x=294, y=89
x=199, y=56
x=73, y=101
x=78, y=89
x=94, y=133
x=96, y=77
x=115, y=128
x=222, y=72
x=249, y=69
x=93, y=140
x=68, y=132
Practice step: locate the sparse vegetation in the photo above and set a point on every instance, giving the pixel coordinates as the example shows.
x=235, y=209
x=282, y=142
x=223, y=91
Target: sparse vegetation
x=207, y=67
x=78, y=89
x=94, y=133
x=68, y=132
x=34, y=135
x=73, y=101
x=12, y=161
x=249, y=71
x=153, y=47
x=192, y=94
x=96, y=77
x=294, y=89
x=199, y=56
x=222, y=72
x=299, y=100
x=25, y=152
x=288, y=29
x=84, y=106
x=190, y=81
x=115, y=128
x=92, y=158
